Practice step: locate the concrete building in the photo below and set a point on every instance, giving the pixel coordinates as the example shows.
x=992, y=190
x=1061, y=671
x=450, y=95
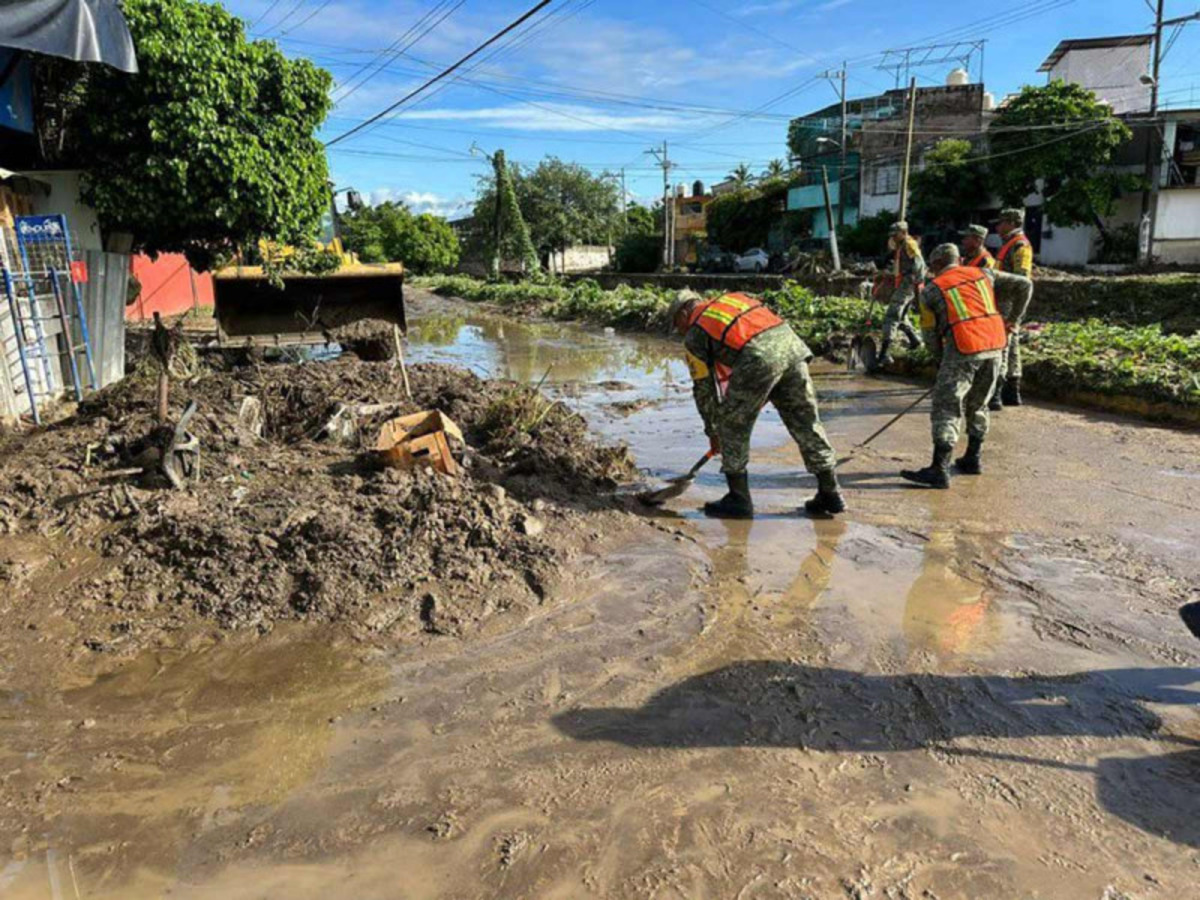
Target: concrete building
x=690, y=221
x=1115, y=69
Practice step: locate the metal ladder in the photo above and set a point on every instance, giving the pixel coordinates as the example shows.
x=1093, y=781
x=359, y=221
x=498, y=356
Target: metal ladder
x=48, y=324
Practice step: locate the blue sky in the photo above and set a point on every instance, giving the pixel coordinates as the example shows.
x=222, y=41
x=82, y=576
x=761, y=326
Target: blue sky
x=599, y=81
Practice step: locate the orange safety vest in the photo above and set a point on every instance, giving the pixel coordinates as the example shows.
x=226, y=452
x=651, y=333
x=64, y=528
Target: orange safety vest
x=1015, y=241
x=984, y=260
x=975, y=322
x=734, y=320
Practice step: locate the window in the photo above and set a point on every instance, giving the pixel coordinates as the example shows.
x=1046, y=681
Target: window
x=887, y=179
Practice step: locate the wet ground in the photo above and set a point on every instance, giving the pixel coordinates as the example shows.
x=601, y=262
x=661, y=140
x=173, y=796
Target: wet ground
x=984, y=693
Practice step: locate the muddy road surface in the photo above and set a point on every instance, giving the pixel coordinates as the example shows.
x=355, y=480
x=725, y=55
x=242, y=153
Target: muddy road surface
x=981, y=693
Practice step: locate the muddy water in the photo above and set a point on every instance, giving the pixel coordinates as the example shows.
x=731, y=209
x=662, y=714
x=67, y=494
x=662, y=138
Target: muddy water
x=977, y=694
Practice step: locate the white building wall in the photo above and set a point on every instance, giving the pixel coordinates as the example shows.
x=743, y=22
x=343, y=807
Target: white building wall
x=1113, y=73
x=584, y=258
x=64, y=199
x=1177, y=229
x=1067, y=246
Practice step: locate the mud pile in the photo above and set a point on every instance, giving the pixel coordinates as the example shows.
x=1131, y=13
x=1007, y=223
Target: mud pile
x=292, y=519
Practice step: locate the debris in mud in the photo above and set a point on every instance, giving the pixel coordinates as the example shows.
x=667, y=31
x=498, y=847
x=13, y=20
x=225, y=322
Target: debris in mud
x=285, y=523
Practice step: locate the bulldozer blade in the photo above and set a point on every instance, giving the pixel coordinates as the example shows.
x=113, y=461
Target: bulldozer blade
x=252, y=311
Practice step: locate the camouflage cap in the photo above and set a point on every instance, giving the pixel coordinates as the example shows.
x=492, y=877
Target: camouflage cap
x=1012, y=216
x=978, y=231
x=682, y=299
x=897, y=227
x=944, y=255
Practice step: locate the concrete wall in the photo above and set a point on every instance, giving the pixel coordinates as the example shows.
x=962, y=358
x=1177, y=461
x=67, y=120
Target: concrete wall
x=1113, y=73
x=1177, y=231
x=64, y=200
x=167, y=285
x=583, y=258
x=1067, y=246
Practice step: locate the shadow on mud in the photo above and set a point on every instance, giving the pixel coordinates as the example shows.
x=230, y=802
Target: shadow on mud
x=766, y=703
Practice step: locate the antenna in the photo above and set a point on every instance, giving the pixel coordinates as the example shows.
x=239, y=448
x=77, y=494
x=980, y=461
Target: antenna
x=903, y=61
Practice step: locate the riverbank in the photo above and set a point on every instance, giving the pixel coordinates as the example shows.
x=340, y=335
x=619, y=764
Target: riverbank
x=1092, y=363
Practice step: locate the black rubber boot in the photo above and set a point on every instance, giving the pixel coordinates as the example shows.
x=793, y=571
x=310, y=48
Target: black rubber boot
x=829, y=500
x=736, y=504
x=996, y=404
x=937, y=473
x=1011, y=395
x=970, y=463
x=914, y=339
x=884, y=357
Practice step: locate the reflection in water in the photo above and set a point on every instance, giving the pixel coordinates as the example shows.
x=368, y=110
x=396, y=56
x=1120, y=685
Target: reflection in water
x=945, y=612
x=524, y=351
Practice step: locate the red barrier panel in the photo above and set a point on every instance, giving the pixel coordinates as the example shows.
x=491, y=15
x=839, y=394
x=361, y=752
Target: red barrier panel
x=167, y=287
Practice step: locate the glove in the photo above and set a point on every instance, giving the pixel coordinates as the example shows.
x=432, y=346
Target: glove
x=714, y=445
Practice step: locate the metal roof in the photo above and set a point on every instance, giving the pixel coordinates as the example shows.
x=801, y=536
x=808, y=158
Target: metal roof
x=1102, y=43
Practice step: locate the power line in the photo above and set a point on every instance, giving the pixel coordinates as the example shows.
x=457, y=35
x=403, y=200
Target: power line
x=413, y=35
x=445, y=73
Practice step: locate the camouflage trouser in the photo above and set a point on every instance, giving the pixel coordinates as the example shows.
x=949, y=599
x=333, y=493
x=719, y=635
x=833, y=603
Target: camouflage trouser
x=897, y=311
x=772, y=368
x=964, y=386
x=1010, y=363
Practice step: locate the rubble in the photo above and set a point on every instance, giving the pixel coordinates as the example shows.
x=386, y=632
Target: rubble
x=284, y=523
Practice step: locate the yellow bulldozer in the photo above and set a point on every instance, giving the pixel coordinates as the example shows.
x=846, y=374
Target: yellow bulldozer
x=268, y=305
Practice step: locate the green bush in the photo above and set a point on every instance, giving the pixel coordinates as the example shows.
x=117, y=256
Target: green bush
x=1060, y=357
x=639, y=253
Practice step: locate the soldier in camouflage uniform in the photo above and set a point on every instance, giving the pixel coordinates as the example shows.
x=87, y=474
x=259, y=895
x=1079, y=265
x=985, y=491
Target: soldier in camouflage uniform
x=908, y=272
x=974, y=253
x=742, y=356
x=1016, y=258
x=970, y=358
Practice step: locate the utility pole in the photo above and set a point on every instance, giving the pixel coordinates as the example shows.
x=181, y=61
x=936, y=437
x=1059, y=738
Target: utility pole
x=833, y=243
x=838, y=80
x=664, y=160
x=908, y=142
x=1153, y=136
x=842, y=173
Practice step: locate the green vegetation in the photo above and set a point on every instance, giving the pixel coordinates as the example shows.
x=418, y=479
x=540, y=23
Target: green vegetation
x=559, y=204
x=746, y=217
x=1065, y=138
x=389, y=232
x=210, y=145
x=1110, y=359
x=1061, y=358
x=951, y=184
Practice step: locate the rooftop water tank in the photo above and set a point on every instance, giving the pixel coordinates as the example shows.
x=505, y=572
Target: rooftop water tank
x=958, y=77
x=681, y=190
x=698, y=189
x=989, y=101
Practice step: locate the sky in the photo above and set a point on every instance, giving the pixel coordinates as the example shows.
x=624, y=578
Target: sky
x=599, y=82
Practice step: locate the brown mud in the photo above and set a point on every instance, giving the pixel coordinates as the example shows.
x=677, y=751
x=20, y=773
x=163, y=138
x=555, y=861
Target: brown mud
x=981, y=693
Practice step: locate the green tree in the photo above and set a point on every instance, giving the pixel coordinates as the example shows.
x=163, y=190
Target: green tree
x=390, y=232
x=951, y=185
x=562, y=204
x=1059, y=140
x=210, y=145
x=641, y=220
x=776, y=168
x=742, y=175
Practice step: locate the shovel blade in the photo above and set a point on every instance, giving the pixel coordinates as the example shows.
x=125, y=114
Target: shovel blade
x=676, y=488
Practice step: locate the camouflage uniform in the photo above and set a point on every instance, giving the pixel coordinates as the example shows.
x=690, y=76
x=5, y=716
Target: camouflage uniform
x=965, y=383
x=1018, y=262
x=772, y=367
x=909, y=268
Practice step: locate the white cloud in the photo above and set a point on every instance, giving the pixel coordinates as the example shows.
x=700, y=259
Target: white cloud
x=560, y=117
x=424, y=202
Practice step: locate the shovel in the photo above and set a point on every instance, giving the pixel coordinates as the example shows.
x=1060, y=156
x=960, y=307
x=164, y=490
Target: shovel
x=676, y=487
x=900, y=415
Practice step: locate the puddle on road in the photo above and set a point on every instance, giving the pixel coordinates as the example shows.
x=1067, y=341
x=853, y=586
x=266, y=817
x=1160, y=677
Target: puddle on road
x=126, y=771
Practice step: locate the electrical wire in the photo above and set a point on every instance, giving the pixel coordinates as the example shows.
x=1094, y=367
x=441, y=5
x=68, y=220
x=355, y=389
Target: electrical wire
x=445, y=73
